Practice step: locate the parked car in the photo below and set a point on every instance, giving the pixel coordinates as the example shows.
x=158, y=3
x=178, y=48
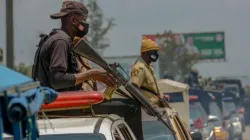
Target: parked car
x=216, y=114
x=246, y=104
x=199, y=120
x=232, y=81
x=225, y=118
x=230, y=108
x=235, y=85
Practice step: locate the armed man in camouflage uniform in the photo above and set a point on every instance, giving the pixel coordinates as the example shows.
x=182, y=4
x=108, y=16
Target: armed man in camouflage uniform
x=142, y=75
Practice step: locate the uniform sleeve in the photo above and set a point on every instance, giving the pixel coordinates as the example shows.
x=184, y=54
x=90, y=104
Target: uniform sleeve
x=59, y=56
x=59, y=78
x=137, y=76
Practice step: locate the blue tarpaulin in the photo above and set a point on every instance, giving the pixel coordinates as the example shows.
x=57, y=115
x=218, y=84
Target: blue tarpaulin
x=9, y=77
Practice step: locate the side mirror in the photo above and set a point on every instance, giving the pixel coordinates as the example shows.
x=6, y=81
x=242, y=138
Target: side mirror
x=196, y=135
x=212, y=118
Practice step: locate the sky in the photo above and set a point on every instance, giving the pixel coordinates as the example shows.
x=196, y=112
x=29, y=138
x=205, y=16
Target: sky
x=137, y=17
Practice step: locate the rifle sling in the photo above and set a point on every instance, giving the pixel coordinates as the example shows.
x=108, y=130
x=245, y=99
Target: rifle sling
x=148, y=90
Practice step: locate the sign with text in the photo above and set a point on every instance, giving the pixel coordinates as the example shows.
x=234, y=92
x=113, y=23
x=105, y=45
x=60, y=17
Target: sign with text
x=208, y=45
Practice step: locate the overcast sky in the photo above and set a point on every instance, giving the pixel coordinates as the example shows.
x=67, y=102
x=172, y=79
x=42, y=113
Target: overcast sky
x=137, y=17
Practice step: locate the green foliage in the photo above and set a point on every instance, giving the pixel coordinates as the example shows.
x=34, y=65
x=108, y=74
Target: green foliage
x=98, y=29
x=24, y=69
x=174, y=59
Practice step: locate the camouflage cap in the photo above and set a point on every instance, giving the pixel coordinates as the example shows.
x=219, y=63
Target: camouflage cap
x=71, y=7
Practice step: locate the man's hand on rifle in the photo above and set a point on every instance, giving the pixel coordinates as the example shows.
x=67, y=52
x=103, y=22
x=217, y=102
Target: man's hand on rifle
x=102, y=76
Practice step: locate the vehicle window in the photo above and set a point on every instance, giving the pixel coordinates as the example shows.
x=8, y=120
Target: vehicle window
x=196, y=111
x=70, y=137
x=156, y=130
x=214, y=109
x=175, y=97
x=228, y=106
x=125, y=132
x=233, y=89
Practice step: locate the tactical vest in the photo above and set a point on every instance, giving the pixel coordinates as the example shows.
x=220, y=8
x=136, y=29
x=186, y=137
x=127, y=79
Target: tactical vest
x=72, y=63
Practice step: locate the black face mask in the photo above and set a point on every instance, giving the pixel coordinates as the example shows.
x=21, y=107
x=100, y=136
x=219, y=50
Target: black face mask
x=153, y=55
x=82, y=29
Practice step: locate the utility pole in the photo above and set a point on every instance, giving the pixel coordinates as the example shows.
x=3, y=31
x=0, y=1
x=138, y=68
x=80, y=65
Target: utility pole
x=9, y=34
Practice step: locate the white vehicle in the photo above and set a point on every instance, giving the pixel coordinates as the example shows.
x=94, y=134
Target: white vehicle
x=105, y=127
x=178, y=93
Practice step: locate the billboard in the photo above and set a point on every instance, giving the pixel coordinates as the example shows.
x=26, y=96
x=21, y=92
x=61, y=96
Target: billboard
x=208, y=45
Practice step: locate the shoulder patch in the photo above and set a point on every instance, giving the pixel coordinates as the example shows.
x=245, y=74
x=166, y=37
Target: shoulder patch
x=135, y=72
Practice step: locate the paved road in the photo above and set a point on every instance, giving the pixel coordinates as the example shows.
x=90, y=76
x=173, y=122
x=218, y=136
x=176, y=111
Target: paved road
x=246, y=135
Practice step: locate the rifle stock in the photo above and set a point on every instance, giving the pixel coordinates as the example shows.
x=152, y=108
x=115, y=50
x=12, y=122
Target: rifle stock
x=84, y=49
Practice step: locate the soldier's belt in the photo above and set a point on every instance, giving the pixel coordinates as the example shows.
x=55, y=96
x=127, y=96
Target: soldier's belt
x=148, y=90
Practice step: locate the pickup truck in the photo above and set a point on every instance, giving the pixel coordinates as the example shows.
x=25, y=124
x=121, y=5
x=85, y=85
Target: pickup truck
x=103, y=127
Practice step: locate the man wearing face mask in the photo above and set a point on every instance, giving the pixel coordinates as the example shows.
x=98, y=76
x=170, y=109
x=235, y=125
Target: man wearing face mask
x=55, y=64
x=142, y=75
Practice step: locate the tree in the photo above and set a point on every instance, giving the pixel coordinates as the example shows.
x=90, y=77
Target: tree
x=22, y=68
x=97, y=29
x=174, y=59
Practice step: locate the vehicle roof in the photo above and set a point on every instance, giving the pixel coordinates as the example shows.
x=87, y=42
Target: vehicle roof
x=230, y=85
x=227, y=78
x=229, y=81
x=171, y=86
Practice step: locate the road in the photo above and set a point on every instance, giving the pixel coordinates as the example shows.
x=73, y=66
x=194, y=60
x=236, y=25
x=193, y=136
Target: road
x=246, y=135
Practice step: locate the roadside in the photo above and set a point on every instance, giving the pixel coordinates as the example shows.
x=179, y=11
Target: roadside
x=246, y=135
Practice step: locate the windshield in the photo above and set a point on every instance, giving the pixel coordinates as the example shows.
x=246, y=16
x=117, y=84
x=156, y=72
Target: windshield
x=236, y=89
x=196, y=111
x=70, y=137
x=228, y=106
x=10, y=77
x=214, y=109
x=156, y=130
